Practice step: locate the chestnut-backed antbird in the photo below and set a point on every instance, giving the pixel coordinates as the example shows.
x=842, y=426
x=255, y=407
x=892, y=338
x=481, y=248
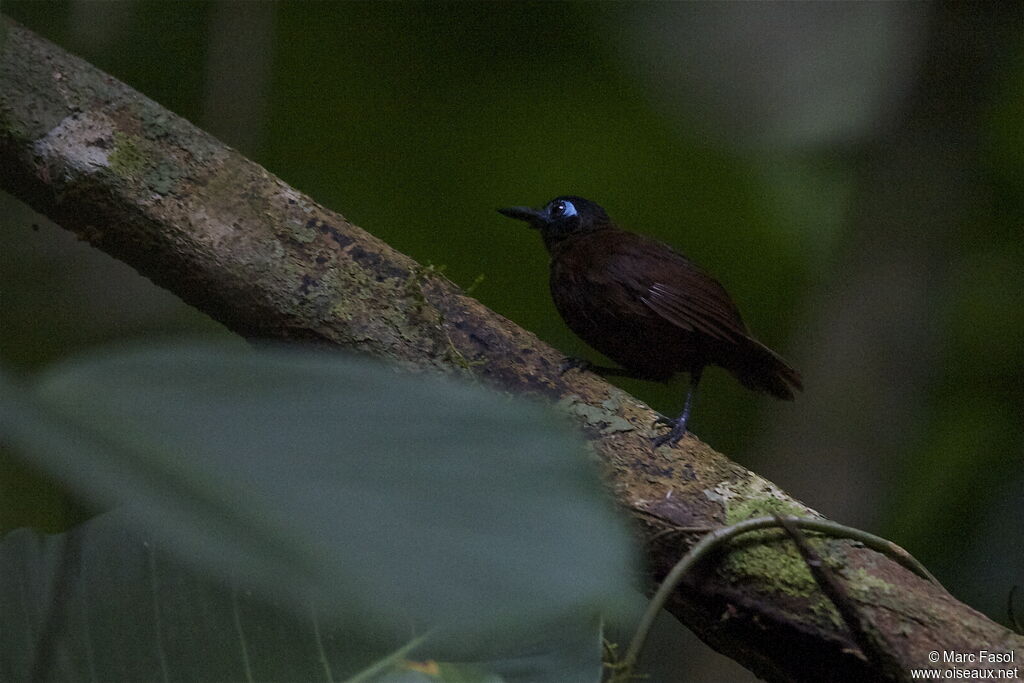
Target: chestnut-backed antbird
x=646, y=306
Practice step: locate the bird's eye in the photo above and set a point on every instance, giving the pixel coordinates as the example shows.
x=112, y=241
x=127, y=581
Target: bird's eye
x=562, y=209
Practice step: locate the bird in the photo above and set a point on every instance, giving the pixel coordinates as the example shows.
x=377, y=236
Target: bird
x=647, y=307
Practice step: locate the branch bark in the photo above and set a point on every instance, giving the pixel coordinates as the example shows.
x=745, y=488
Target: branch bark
x=236, y=242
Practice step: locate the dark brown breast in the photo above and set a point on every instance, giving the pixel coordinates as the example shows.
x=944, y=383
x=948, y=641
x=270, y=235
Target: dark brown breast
x=648, y=308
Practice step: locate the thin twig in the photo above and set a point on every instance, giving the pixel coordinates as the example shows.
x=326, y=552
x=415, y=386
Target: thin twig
x=719, y=536
x=671, y=529
x=871, y=643
x=387, y=662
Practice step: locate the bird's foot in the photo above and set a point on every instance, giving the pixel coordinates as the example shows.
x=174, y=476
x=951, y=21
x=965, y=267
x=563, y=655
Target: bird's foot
x=672, y=436
x=572, y=363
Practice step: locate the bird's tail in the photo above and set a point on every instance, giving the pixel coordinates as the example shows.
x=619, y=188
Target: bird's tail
x=764, y=370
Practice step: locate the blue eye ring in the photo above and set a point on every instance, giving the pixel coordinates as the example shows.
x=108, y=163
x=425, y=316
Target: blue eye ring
x=563, y=209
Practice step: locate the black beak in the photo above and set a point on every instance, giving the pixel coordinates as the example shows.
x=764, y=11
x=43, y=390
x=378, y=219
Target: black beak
x=524, y=213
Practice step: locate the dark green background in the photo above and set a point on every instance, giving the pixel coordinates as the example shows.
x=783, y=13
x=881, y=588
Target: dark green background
x=417, y=120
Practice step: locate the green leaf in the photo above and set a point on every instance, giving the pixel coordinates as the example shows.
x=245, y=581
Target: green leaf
x=403, y=504
x=102, y=603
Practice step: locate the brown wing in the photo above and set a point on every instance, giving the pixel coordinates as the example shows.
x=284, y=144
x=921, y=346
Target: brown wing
x=676, y=290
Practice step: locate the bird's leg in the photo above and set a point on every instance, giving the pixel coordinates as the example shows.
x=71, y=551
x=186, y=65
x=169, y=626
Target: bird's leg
x=679, y=424
x=574, y=363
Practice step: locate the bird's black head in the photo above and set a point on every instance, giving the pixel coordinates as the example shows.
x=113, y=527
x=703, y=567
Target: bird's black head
x=562, y=217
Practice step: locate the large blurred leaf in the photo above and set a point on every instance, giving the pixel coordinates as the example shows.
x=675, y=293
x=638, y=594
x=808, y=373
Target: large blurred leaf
x=403, y=503
x=102, y=603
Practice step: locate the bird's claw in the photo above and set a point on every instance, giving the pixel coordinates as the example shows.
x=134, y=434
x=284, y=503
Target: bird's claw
x=671, y=437
x=571, y=363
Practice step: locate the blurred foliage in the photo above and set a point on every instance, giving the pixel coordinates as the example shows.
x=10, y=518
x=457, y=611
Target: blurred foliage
x=416, y=120
x=965, y=476
x=286, y=511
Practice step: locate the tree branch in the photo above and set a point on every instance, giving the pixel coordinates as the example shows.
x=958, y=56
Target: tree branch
x=239, y=244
